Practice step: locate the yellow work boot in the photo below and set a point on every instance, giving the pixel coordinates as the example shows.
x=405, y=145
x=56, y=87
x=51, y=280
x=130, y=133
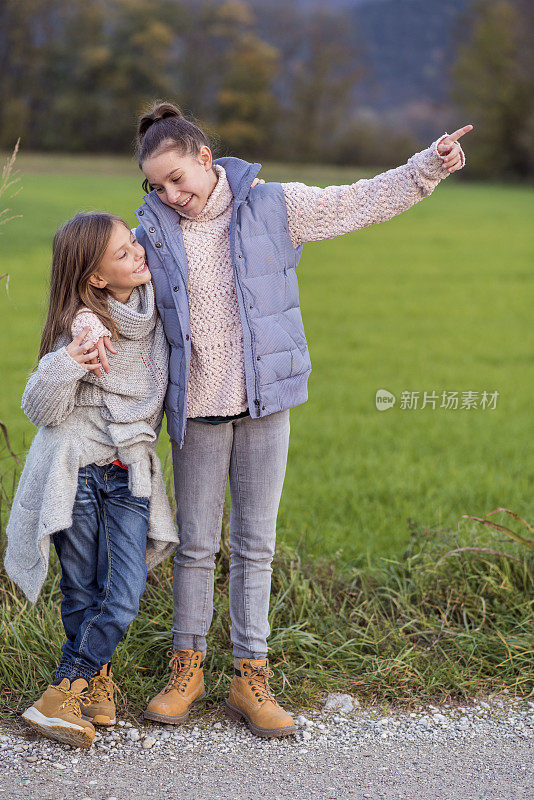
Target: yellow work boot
x=251, y=699
x=57, y=714
x=98, y=702
x=185, y=687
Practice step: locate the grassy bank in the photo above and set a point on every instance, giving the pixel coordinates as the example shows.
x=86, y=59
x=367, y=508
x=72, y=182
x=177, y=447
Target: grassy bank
x=441, y=623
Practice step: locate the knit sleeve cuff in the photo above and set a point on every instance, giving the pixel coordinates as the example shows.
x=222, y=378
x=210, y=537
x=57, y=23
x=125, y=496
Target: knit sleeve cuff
x=72, y=369
x=87, y=319
x=430, y=163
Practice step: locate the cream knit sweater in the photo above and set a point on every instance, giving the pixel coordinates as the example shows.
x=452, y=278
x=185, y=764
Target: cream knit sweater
x=217, y=374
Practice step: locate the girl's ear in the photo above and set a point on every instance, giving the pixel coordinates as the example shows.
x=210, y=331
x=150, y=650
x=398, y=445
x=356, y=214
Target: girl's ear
x=205, y=157
x=96, y=281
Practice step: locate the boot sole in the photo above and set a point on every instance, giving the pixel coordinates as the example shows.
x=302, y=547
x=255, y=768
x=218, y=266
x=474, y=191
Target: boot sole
x=100, y=719
x=266, y=733
x=176, y=718
x=58, y=729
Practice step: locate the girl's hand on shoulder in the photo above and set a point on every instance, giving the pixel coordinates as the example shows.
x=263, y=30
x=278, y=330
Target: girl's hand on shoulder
x=92, y=356
x=97, y=339
x=449, y=149
x=102, y=360
x=80, y=353
x=256, y=181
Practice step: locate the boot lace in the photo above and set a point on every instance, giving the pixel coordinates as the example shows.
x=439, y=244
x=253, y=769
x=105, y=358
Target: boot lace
x=102, y=687
x=72, y=701
x=180, y=665
x=259, y=680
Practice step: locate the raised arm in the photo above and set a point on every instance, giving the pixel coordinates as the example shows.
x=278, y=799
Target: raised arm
x=314, y=213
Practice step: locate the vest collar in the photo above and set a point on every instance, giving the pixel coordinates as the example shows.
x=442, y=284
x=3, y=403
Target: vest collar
x=162, y=212
x=240, y=175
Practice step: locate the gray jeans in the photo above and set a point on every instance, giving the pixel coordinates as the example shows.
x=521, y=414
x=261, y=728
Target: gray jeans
x=253, y=453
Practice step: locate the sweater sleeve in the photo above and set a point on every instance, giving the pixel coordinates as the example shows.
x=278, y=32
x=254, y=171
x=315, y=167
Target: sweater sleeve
x=50, y=393
x=87, y=319
x=314, y=213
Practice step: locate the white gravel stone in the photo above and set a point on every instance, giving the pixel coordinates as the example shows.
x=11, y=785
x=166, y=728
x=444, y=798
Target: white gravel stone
x=340, y=702
x=148, y=742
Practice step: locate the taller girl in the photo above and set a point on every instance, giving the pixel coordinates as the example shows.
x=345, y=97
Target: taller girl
x=223, y=257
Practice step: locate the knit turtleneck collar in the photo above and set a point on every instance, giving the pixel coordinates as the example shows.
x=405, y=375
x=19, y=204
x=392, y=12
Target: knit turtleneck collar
x=218, y=201
x=137, y=317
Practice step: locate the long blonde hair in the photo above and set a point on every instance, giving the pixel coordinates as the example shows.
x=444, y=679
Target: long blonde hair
x=77, y=252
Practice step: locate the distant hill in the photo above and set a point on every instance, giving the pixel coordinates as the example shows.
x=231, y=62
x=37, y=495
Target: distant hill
x=408, y=47
x=405, y=46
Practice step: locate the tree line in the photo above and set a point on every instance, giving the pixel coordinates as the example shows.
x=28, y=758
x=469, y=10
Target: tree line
x=275, y=82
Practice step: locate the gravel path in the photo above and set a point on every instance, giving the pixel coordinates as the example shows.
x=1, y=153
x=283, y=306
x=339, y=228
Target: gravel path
x=449, y=752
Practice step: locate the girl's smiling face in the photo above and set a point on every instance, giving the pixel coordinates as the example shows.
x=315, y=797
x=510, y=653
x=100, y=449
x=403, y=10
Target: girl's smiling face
x=183, y=182
x=123, y=265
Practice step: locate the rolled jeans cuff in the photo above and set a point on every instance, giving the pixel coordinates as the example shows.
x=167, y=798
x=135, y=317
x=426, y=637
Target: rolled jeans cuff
x=71, y=670
x=238, y=653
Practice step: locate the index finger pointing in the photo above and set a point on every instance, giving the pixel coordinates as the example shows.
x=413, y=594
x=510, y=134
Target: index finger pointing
x=460, y=132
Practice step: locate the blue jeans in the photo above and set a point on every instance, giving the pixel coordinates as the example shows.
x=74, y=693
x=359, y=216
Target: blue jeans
x=103, y=564
x=253, y=454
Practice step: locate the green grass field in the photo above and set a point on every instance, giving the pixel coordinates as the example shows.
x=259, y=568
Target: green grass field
x=437, y=299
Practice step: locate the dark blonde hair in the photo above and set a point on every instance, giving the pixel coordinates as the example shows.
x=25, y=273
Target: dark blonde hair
x=163, y=128
x=77, y=252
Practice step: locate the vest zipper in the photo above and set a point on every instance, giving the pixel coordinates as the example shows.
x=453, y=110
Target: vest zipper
x=164, y=237
x=236, y=275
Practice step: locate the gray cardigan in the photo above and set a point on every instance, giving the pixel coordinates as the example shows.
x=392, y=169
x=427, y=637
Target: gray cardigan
x=85, y=420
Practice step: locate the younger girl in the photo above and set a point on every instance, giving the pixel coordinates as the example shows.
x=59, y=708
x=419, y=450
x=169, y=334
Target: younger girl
x=223, y=258
x=92, y=480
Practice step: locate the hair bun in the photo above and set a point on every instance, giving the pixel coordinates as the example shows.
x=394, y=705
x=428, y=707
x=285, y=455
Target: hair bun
x=173, y=132
x=157, y=112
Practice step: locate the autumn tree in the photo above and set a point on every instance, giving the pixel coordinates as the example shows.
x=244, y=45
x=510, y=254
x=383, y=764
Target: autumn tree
x=74, y=75
x=246, y=107
x=319, y=86
x=494, y=84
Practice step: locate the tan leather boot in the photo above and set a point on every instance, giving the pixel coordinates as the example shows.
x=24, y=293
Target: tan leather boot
x=185, y=687
x=98, y=702
x=57, y=714
x=251, y=699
